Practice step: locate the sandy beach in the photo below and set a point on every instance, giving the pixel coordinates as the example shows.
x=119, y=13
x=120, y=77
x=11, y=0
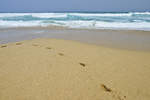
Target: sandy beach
x=74, y=50
x=56, y=69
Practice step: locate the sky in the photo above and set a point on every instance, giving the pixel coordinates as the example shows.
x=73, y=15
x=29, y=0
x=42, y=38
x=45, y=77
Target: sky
x=74, y=5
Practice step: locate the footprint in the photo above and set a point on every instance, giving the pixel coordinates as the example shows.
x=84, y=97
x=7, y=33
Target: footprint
x=106, y=88
x=118, y=96
x=48, y=48
x=18, y=43
x=3, y=46
x=114, y=94
x=35, y=45
x=82, y=64
x=61, y=54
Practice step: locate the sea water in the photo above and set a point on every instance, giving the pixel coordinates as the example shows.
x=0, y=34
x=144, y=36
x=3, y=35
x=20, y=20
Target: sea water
x=130, y=20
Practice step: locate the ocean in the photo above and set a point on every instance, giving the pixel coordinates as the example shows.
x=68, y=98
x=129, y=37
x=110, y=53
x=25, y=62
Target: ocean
x=129, y=21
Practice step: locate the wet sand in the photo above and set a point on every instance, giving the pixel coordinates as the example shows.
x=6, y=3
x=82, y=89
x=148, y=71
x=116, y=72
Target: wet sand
x=124, y=39
x=44, y=69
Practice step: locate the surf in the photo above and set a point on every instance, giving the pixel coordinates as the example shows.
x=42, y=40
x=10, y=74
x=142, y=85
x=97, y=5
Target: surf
x=130, y=20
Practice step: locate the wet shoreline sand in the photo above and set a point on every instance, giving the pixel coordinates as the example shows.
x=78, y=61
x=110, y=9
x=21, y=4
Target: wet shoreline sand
x=122, y=39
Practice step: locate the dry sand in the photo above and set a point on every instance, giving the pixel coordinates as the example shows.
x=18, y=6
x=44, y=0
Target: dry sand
x=49, y=69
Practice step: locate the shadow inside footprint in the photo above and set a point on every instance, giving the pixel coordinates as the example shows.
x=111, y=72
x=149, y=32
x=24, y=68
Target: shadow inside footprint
x=48, y=48
x=113, y=93
x=61, y=54
x=35, y=45
x=106, y=88
x=18, y=43
x=82, y=64
x=3, y=46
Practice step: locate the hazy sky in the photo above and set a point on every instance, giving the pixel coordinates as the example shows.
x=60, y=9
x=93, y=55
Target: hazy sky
x=74, y=5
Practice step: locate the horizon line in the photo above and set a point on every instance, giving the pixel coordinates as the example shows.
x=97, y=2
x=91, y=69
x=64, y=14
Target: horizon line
x=70, y=11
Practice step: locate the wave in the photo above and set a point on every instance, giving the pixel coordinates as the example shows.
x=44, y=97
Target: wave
x=85, y=17
x=131, y=20
x=40, y=15
x=78, y=24
x=57, y=15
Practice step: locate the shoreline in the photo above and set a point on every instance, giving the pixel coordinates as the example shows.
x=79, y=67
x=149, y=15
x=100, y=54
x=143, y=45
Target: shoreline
x=65, y=27
x=122, y=39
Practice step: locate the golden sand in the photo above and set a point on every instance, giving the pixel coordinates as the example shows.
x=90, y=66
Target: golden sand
x=49, y=69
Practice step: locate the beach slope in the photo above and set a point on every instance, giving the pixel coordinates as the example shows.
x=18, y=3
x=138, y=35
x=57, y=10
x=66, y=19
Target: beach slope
x=51, y=69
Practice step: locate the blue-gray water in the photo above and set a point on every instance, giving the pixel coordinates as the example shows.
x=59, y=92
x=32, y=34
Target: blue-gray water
x=131, y=20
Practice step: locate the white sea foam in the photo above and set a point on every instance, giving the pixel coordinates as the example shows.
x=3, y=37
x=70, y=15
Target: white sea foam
x=147, y=13
x=99, y=24
x=48, y=15
x=79, y=24
x=103, y=14
x=12, y=14
x=54, y=15
x=19, y=23
x=132, y=20
x=40, y=15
